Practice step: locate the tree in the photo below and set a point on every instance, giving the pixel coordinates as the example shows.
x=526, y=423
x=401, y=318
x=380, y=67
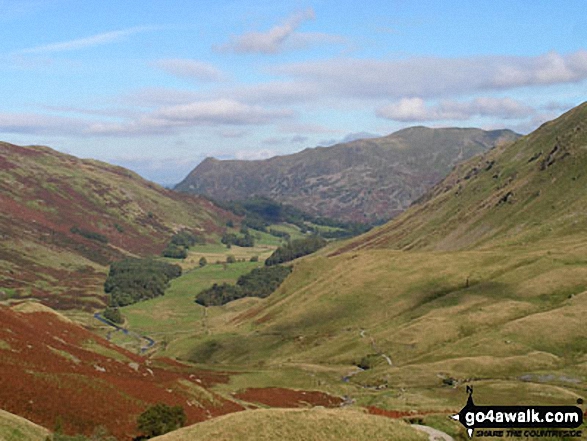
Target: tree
x=203, y=262
x=160, y=419
x=114, y=315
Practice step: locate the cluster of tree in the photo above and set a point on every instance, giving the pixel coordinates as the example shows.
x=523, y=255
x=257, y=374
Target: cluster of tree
x=260, y=282
x=160, y=419
x=132, y=280
x=114, y=315
x=246, y=240
x=180, y=243
x=280, y=234
x=260, y=212
x=296, y=248
x=92, y=235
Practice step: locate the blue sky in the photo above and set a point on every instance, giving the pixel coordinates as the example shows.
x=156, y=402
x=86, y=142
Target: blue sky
x=157, y=86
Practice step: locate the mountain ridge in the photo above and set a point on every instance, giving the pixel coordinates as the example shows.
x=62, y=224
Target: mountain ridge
x=365, y=180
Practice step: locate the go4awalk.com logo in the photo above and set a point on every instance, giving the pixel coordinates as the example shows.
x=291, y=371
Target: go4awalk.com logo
x=520, y=421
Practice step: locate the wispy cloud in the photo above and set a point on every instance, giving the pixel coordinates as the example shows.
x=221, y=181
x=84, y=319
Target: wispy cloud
x=82, y=43
x=416, y=109
x=164, y=120
x=279, y=38
x=255, y=155
x=193, y=69
x=433, y=76
x=35, y=124
x=167, y=119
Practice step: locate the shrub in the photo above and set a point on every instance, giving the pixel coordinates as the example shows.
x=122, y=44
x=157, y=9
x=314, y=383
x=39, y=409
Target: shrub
x=179, y=244
x=230, y=259
x=114, y=315
x=92, y=235
x=295, y=249
x=175, y=252
x=132, y=280
x=160, y=419
x=260, y=282
x=203, y=262
x=254, y=259
x=241, y=241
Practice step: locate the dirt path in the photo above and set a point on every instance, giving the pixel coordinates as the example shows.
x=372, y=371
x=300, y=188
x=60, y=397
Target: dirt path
x=433, y=434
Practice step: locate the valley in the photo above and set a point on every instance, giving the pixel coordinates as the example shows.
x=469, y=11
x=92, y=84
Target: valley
x=480, y=283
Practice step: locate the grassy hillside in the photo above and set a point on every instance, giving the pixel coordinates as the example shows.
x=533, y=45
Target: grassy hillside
x=469, y=286
x=63, y=219
x=15, y=428
x=297, y=425
x=360, y=181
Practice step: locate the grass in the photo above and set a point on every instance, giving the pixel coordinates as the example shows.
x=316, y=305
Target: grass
x=176, y=312
x=93, y=346
x=416, y=308
x=15, y=428
x=297, y=425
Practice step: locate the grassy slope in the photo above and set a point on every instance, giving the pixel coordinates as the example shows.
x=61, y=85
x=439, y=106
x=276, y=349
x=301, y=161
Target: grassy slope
x=362, y=180
x=294, y=425
x=484, y=292
x=45, y=193
x=15, y=428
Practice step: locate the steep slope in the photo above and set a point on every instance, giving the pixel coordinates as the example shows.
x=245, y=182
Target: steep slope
x=362, y=181
x=54, y=371
x=532, y=190
x=63, y=219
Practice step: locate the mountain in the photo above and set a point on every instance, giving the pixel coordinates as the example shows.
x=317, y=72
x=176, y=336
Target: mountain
x=63, y=219
x=533, y=190
x=361, y=181
x=481, y=282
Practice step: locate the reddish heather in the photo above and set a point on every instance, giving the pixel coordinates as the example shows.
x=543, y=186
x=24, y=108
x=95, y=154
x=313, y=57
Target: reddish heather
x=46, y=375
x=44, y=193
x=279, y=397
x=403, y=413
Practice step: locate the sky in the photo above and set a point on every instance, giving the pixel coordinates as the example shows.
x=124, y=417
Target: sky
x=159, y=85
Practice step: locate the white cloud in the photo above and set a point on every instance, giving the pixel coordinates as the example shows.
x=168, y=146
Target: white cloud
x=194, y=69
x=161, y=121
x=82, y=43
x=221, y=111
x=168, y=119
x=433, y=76
x=302, y=128
x=155, y=97
x=232, y=134
x=416, y=109
x=39, y=124
x=254, y=155
x=279, y=38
